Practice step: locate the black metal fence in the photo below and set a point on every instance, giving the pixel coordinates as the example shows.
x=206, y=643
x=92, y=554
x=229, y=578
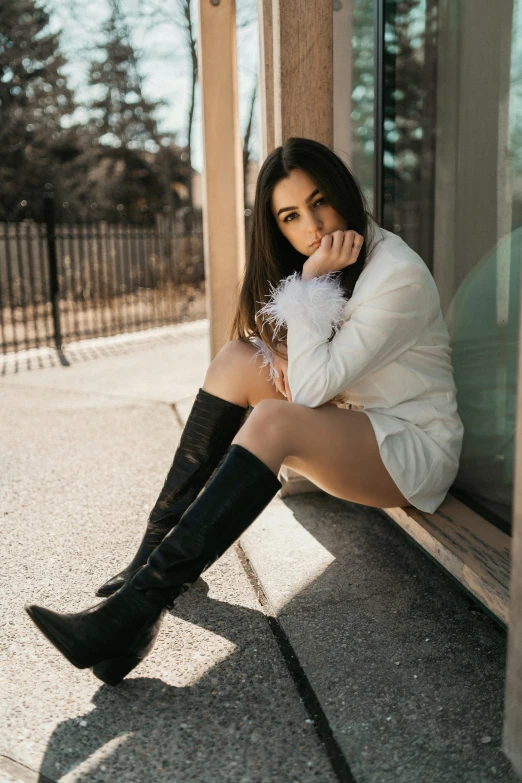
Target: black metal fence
x=68, y=280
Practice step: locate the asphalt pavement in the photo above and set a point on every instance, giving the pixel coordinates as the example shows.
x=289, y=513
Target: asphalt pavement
x=324, y=646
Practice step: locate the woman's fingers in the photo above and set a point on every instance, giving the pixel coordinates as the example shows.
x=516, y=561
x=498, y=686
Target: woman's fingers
x=357, y=244
x=287, y=388
x=351, y=247
x=337, y=241
x=341, y=248
x=288, y=393
x=281, y=381
x=279, y=375
x=282, y=346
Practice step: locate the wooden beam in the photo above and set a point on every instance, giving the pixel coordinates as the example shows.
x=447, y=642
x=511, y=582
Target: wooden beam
x=469, y=547
x=223, y=197
x=293, y=483
x=303, y=70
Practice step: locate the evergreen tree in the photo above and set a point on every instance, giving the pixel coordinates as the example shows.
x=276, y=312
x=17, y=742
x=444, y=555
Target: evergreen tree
x=118, y=183
x=121, y=109
x=129, y=168
x=34, y=98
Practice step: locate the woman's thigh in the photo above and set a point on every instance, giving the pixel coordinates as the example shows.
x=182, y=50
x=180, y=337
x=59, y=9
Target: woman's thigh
x=334, y=447
x=337, y=450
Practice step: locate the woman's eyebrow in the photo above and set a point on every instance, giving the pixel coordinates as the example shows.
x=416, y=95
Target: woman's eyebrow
x=286, y=209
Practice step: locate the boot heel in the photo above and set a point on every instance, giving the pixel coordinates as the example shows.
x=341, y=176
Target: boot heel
x=114, y=670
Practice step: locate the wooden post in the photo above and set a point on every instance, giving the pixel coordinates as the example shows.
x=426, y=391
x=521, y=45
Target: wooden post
x=303, y=86
x=222, y=191
x=303, y=70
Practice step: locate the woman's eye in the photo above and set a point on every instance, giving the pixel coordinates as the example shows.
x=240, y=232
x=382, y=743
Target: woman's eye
x=319, y=201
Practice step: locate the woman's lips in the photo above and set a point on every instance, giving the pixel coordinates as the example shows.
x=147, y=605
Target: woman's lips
x=316, y=243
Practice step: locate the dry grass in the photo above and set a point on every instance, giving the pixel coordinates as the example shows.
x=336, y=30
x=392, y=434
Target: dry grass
x=32, y=326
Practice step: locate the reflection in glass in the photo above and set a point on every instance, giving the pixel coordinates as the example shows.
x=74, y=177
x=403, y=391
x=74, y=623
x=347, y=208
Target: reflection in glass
x=410, y=60
x=363, y=92
x=354, y=88
x=453, y=190
x=484, y=339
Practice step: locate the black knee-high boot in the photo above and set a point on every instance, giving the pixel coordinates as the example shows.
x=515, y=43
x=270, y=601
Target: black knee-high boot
x=208, y=432
x=117, y=634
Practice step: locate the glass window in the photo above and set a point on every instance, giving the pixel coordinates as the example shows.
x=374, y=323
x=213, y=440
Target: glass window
x=354, y=77
x=452, y=188
x=409, y=126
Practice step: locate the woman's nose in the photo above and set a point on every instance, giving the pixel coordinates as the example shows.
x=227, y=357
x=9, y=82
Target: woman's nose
x=313, y=222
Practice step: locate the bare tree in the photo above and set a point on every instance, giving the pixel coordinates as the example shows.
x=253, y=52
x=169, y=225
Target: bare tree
x=247, y=41
x=185, y=14
x=180, y=14
x=247, y=151
x=185, y=9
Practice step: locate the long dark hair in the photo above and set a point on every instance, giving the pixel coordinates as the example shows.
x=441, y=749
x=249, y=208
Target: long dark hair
x=271, y=256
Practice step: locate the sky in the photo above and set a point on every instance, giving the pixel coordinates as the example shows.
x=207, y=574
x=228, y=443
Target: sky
x=165, y=65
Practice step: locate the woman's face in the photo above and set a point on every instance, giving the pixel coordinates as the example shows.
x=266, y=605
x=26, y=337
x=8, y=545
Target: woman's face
x=302, y=213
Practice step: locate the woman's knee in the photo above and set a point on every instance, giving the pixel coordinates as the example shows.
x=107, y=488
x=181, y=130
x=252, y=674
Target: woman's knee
x=232, y=353
x=270, y=419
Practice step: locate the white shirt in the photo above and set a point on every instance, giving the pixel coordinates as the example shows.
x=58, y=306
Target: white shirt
x=390, y=354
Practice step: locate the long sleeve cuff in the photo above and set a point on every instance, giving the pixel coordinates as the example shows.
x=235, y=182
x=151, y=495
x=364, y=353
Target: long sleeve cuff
x=314, y=303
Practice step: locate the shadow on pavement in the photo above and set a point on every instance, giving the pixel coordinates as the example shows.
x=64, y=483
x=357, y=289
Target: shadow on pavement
x=222, y=727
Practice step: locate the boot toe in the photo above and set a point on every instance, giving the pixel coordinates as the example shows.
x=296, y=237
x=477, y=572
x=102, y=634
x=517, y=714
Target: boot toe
x=55, y=627
x=122, y=628
x=111, y=586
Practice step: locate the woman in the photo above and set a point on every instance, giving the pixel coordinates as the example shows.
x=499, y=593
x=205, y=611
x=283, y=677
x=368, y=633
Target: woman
x=347, y=369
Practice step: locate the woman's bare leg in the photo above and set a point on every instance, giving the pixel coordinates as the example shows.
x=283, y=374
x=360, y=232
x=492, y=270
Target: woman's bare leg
x=235, y=375
x=334, y=447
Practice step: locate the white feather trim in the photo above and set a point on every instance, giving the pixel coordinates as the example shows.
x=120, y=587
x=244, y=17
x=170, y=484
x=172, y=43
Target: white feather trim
x=264, y=352
x=317, y=302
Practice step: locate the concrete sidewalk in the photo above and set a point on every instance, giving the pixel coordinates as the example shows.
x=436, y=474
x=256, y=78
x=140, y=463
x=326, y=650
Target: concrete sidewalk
x=325, y=646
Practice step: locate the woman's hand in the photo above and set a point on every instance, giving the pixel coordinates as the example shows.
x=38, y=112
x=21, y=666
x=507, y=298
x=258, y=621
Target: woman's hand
x=281, y=368
x=336, y=251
